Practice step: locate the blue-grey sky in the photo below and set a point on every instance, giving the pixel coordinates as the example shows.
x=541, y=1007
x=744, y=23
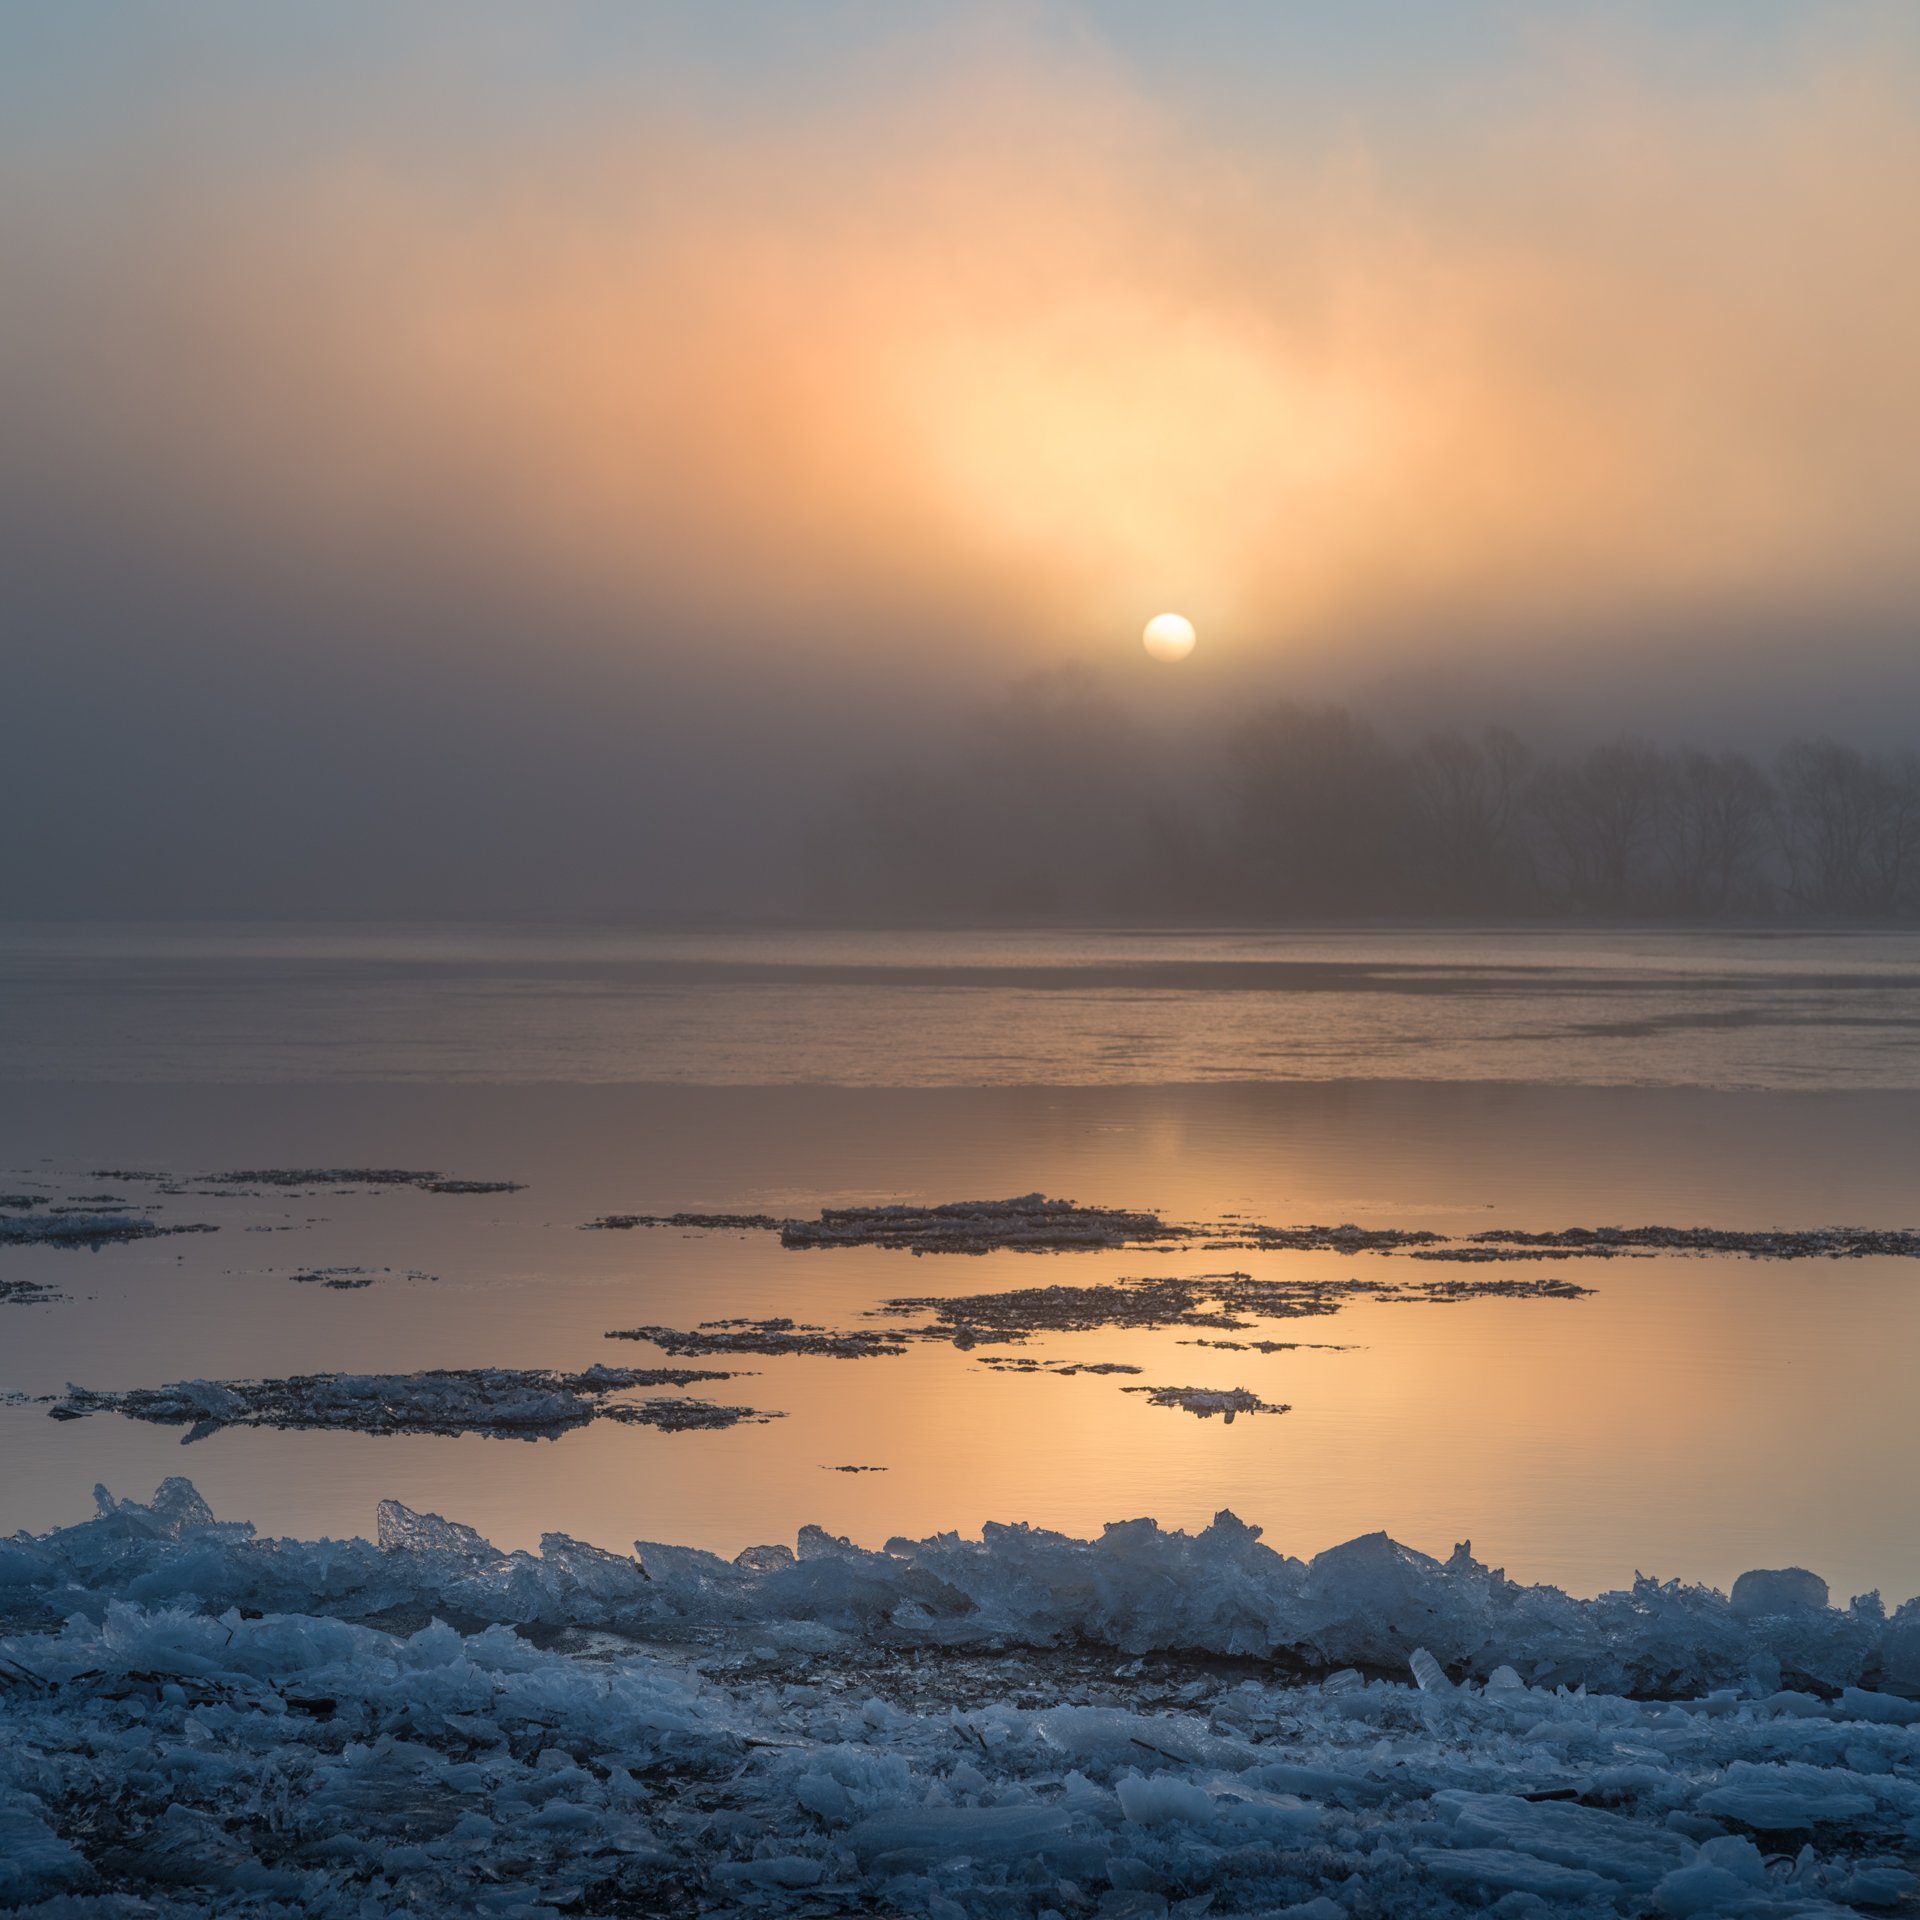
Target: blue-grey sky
x=484, y=458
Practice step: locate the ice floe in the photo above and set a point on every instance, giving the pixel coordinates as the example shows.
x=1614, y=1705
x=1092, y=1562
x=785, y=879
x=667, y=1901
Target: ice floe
x=1270, y=1346
x=324, y=1177
x=1030, y=1223
x=58, y=1228
x=1344, y=1239
x=193, y=1720
x=351, y=1279
x=768, y=1337
x=426, y=1180
x=27, y=1293
x=700, y=1222
x=1066, y=1369
x=1017, y=1312
x=1221, y=1302
x=1034, y=1223
x=1818, y=1243
x=1205, y=1402
x=505, y=1402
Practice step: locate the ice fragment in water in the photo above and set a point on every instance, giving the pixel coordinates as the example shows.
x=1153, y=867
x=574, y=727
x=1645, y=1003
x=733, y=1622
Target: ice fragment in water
x=504, y=1402
x=1205, y=1402
x=1030, y=1223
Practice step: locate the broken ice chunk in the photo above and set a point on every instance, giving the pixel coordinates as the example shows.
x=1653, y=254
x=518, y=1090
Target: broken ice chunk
x=504, y=1402
x=1205, y=1402
x=1777, y=1590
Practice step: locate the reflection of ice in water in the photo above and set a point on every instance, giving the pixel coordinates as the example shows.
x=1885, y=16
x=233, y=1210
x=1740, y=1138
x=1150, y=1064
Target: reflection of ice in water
x=1549, y=1428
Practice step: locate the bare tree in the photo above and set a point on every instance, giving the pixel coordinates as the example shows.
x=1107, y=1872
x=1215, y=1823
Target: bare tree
x=1892, y=864
x=1850, y=827
x=1058, y=804
x=1321, y=811
x=1714, y=832
x=1600, y=819
x=1468, y=806
x=1825, y=812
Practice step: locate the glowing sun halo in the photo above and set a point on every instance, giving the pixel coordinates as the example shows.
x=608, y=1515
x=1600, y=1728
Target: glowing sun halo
x=1169, y=636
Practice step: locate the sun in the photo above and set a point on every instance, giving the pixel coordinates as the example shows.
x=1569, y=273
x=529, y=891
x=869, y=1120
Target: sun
x=1169, y=636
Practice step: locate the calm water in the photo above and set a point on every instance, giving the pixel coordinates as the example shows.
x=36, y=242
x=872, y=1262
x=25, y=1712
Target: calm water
x=1692, y=1417
x=925, y=1010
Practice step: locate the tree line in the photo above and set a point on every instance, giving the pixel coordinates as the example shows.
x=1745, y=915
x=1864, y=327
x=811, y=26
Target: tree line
x=1059, y=805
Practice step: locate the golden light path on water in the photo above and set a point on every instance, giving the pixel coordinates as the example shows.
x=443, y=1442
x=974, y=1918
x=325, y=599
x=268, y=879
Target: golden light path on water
x=1545, y=1431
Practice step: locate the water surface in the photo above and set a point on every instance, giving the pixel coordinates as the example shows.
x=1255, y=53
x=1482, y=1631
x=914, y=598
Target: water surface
x=1691, y=1418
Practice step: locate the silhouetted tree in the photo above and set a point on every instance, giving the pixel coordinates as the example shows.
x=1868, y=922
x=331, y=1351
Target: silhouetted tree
x=1057, y=804
x=1600, y=817
x=1049, y=805
x=1321, y=811
x=1714, y=832
x=1850, y=827
x=1469, y=817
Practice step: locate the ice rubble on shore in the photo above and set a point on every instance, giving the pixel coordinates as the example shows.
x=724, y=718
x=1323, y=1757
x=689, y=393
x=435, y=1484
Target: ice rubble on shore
x=519, y=1403
x=195, y=1720
x=1138, y=1589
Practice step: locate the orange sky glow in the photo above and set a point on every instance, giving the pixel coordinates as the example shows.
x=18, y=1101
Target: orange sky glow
x=1032, y=352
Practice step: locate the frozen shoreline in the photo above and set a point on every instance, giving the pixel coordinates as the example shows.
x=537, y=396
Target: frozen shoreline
x=194, y=1720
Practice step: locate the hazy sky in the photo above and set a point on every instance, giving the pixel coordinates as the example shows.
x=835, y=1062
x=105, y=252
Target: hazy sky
x=472, y=458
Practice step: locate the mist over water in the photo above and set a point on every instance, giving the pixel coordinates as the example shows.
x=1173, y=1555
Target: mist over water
x=470, y=468
x=959, y=959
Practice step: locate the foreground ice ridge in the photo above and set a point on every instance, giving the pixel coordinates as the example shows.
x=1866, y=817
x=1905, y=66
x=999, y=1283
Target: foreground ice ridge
x=195, y=1721
x=505, y=1402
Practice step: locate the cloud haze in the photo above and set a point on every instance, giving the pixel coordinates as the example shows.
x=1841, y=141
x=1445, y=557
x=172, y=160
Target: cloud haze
x=312, y=398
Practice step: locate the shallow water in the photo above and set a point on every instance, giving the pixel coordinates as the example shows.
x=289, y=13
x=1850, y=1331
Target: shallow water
x=1692, y=1417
